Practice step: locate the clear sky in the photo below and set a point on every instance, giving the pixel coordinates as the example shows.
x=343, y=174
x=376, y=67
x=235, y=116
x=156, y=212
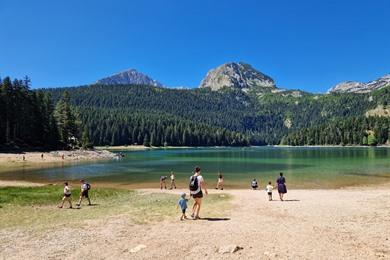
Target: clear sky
x=305, y=44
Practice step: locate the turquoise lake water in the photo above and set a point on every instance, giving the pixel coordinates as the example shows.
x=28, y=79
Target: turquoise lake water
x=303, y=167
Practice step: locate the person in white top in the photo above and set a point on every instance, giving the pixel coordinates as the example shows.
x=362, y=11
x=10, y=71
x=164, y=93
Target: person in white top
x=269, y=189
x=173, y=184
x=197, y=184
x=67, y=196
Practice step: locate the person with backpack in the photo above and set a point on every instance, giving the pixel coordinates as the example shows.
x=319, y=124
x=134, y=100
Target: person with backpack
x=197, y=185
x=85, y=187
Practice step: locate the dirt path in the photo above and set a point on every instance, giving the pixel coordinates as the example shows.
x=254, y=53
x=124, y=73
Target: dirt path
x=313, y=224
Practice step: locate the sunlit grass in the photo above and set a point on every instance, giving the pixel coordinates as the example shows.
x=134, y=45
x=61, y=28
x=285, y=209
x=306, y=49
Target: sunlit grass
x=36, y=207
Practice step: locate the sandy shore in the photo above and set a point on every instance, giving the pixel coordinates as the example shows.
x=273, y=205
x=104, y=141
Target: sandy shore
x=312, y=224
x=13, y=161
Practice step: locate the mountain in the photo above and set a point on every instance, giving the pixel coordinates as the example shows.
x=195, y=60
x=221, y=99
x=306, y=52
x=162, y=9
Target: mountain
x=236, y=75
x=359, y=87
x=127, y=77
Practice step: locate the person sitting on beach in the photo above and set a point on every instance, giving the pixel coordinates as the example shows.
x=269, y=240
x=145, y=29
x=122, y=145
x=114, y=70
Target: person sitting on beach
x=254, y=184
x=85, y=187
x=196, y=185
x=162, y=182
x=67, y=196
x=173, y=184
x=220, y=182
x=183, y=205
x=282, y=189
x=269, y=189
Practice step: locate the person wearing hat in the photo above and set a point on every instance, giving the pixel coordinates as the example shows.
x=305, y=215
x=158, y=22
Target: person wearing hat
x=183, y=205
x=85, y=187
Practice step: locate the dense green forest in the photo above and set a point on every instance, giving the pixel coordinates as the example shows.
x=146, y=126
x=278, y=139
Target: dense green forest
x=29, y=119
x=349, y=131
x=136, y=114
x=227, y=117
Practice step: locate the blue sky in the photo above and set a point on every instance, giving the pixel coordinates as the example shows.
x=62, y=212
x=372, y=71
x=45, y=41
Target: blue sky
x=305, y=44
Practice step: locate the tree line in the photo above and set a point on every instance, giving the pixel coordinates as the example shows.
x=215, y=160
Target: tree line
x=29, y=118
x=350, y=131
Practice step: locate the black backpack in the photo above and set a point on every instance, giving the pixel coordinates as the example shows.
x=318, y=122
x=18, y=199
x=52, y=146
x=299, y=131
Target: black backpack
x=194, y=183
x=88, y=186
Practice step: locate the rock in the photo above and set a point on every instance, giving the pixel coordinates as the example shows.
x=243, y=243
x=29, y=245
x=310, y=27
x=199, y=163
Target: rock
x=236, y=75
x=137, y=248
x=359, y=87
x=130, y=76
x=229, y=249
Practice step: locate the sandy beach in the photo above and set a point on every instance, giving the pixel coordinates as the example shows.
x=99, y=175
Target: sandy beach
x=15, y=161
x=349, y=223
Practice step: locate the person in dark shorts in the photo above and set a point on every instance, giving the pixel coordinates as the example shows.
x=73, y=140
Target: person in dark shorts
x=282, y=189
x=183, y=205
x=85, y=187
x=269, y=189
x=163, y=182
x=197, y=184
x=254, y=184
x=67, y=196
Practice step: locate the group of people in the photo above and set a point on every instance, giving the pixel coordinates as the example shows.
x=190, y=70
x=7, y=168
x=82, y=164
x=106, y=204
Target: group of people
x=84, y=193
x=163, y=183
x=281, y=185
x=197, y=186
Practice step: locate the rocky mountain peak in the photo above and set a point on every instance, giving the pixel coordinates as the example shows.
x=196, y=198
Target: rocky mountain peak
x=236, y=75
x=130, y=76
x=359, y=87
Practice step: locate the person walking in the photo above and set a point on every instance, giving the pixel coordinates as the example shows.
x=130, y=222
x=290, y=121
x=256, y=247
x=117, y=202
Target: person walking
x=85, y=187
x=219, y=182
x=197, y=185
x=173, y=184
x=282, y=189
x=67, y=196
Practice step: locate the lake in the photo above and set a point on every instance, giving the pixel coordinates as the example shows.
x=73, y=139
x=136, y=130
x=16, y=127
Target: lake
x=303, y=167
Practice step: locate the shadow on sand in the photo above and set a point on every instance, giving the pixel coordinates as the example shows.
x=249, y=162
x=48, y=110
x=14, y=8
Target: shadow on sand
x=215, y=219
x=290, y=200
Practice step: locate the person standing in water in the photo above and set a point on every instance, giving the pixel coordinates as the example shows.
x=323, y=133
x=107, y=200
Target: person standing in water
x=163, y=183
x=197, y=185
x=220, y=182
x=282, y=189
x=173, y=184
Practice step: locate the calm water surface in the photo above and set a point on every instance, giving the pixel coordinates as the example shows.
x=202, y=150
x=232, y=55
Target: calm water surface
x=307, y=167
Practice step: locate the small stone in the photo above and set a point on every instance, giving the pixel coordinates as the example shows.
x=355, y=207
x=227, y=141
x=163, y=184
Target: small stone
x=137, y=248
x=229, y=249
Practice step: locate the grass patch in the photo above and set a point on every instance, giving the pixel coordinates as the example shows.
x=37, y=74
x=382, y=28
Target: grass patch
x=36, y=207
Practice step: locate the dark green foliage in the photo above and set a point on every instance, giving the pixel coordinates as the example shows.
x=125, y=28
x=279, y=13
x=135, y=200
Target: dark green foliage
x=26, y=117
x=128, y=114
x=68, y=126
x=350, y=131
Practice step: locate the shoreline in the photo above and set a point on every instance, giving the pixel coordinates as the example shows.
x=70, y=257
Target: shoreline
x=33, y=160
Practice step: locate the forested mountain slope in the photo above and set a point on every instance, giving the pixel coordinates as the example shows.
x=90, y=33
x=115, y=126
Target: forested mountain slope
x=114, y=112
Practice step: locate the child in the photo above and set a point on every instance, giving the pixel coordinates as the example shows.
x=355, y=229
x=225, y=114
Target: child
x=254, y=184
x=66, y=197
x=269, y=189
x=183, y=205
